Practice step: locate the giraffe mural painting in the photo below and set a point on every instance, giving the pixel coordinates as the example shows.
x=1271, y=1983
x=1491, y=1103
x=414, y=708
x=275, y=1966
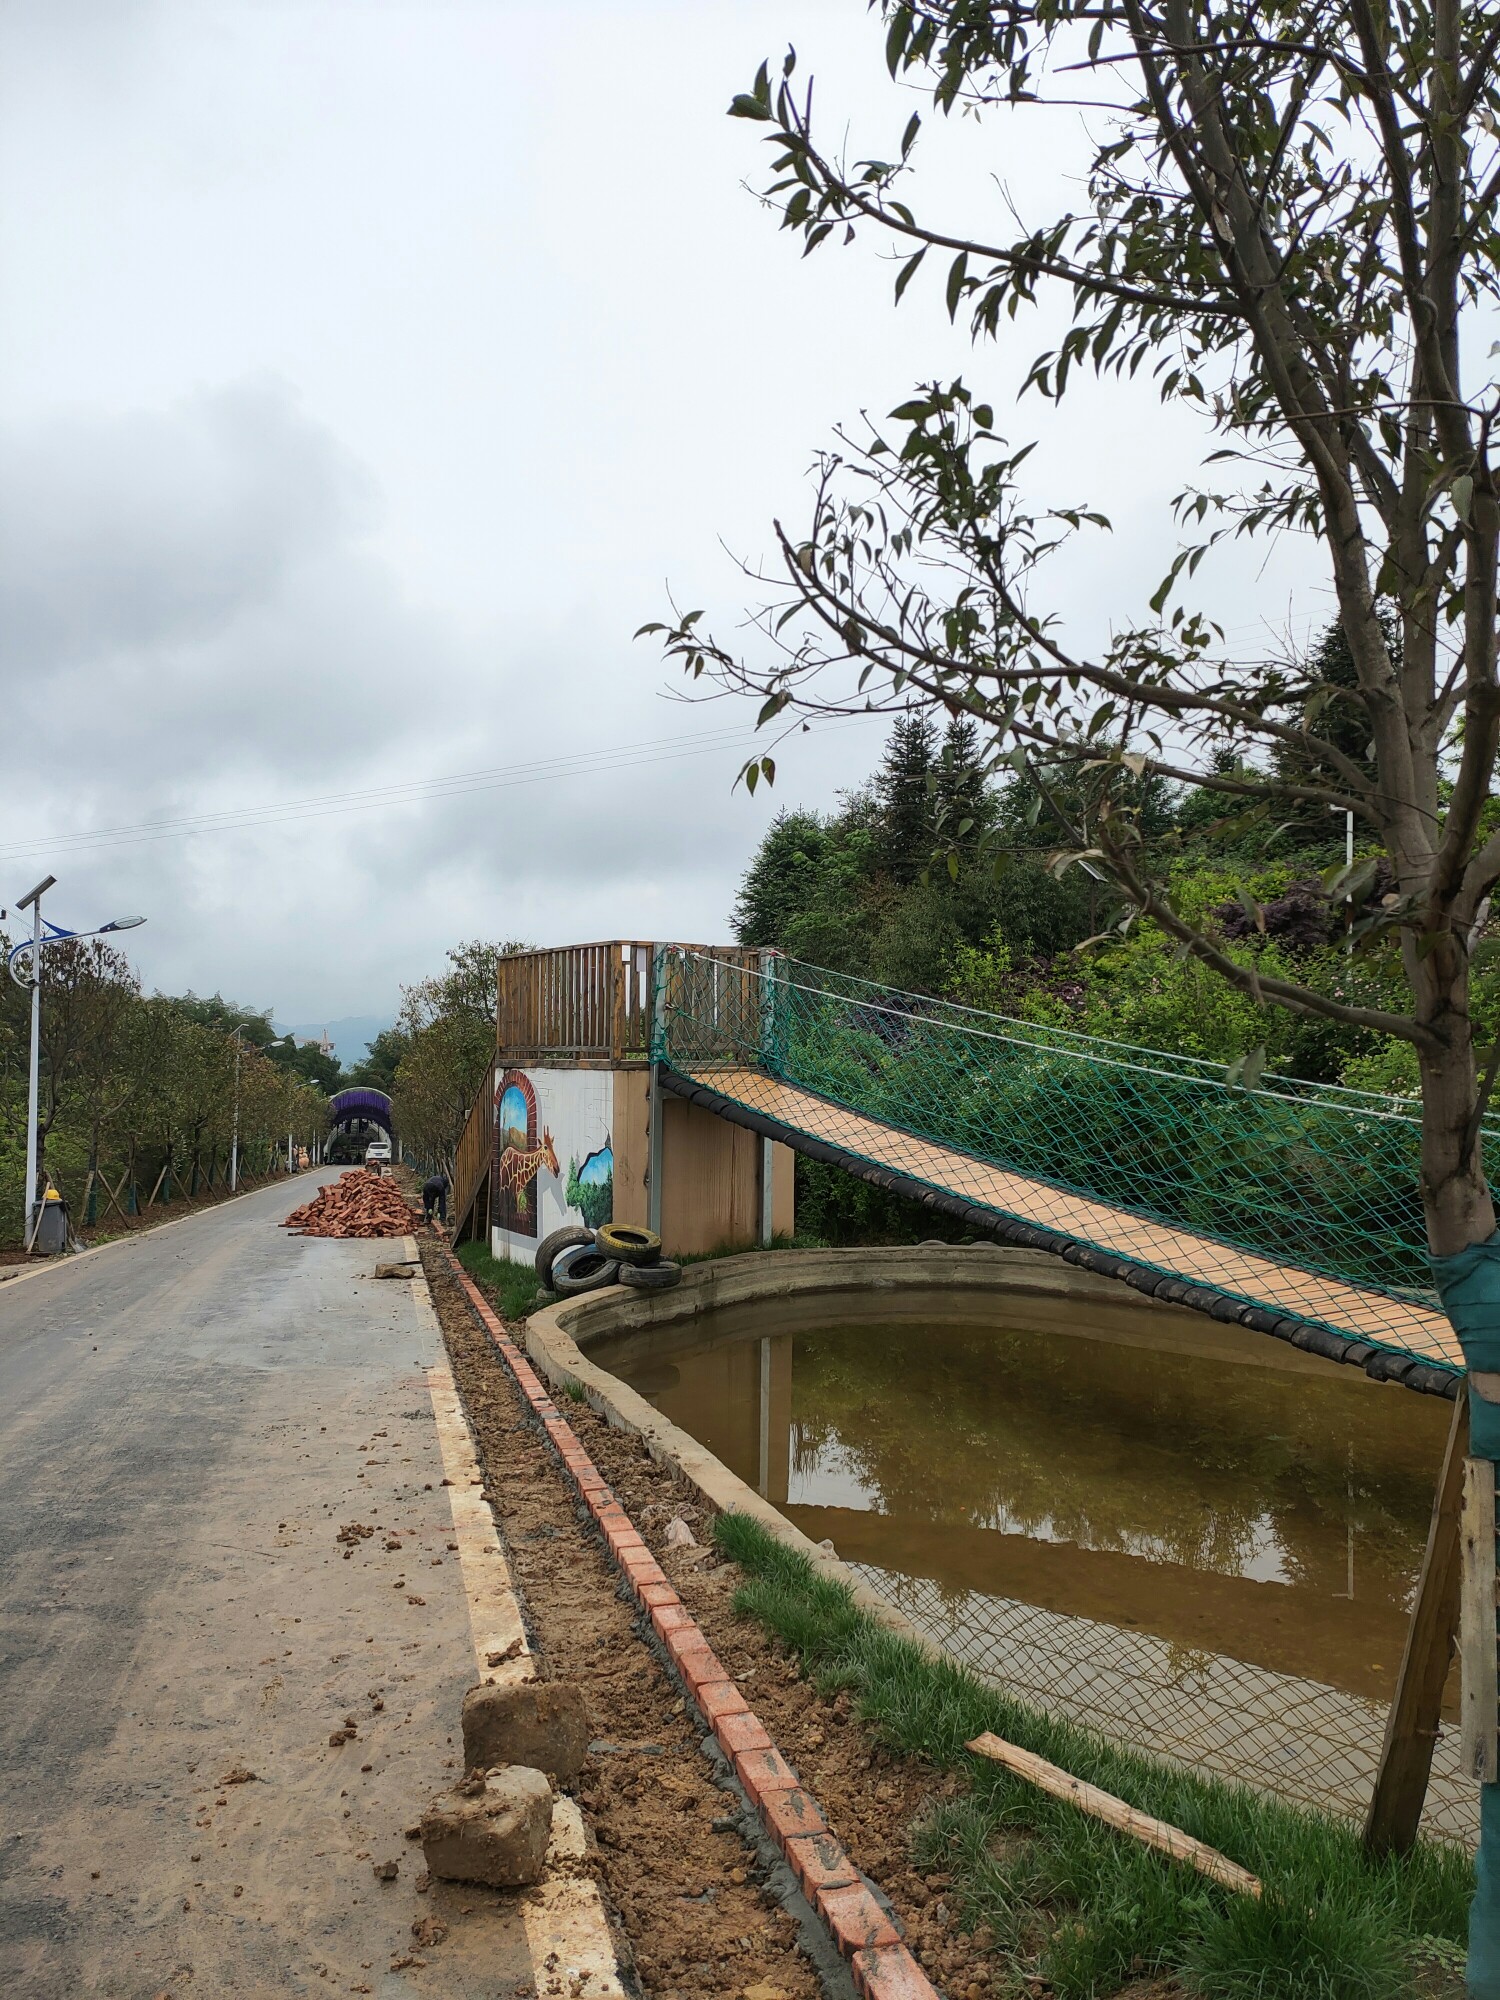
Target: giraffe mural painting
x=553, y=1159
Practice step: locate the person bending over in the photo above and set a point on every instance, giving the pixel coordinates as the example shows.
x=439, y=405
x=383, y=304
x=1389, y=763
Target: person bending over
x=435, y=1196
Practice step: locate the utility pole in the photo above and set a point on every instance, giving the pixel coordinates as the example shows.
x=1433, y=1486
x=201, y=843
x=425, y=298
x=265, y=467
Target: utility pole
x=33, y=1091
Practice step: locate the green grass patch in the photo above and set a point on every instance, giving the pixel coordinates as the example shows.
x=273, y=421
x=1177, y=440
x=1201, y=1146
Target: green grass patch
x=512, y=1288
x=1076, y=1904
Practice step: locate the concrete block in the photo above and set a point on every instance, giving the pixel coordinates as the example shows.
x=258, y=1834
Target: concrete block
x=493, y=1830
x=541, y=1723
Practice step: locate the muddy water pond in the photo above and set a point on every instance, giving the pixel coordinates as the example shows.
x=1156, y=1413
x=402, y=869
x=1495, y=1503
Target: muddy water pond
x=1194, y=1538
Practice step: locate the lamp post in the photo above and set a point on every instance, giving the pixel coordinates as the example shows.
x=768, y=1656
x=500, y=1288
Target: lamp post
x=55, y=934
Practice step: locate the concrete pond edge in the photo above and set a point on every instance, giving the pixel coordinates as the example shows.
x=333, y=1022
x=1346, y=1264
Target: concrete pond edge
x=858, y=1922
x=556, y=1339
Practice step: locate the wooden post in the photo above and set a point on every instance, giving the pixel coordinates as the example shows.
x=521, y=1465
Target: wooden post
x=616, y=1003
x=113, y=1201
x=656, y=1147
x=1411, y=1727
x=1477, y=1638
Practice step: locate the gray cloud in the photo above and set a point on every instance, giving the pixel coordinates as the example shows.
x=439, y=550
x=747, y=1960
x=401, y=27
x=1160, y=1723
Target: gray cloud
x=369, y=373
x=129, y=534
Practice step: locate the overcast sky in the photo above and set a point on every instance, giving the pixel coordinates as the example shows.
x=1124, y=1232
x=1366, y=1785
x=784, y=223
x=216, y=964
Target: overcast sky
x=368, y=373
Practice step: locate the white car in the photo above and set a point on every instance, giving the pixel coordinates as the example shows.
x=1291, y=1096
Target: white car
x=378, y=1153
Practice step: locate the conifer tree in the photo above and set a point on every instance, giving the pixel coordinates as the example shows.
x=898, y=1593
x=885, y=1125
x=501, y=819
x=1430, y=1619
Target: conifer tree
x=964, y=805
x=904, y=794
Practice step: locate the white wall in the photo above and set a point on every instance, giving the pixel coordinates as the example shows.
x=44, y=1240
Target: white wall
x=576, y=1106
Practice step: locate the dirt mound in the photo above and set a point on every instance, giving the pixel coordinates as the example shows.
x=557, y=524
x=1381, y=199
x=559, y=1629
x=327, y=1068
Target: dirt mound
x=358, y=1203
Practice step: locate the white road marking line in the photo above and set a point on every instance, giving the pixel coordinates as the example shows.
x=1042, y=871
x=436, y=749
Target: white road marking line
x=566, y=1924
x=495, y=1620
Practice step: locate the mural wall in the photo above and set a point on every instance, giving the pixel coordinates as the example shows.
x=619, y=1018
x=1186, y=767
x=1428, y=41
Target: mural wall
x=554, y=1159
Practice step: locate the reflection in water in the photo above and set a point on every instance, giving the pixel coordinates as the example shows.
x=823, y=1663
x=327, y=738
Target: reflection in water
x=1183, y=1533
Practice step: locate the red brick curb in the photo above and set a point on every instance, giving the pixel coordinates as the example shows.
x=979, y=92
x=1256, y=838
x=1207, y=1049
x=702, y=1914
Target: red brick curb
x=863, y=1931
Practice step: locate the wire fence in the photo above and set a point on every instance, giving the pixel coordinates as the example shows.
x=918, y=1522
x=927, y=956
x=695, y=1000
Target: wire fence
x=1296, y=1197
x=1311, y=1744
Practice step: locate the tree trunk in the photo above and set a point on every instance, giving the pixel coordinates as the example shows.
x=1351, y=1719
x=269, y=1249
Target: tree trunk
x=1455, y=1193
x=92, y=1203
x=1466, y=1266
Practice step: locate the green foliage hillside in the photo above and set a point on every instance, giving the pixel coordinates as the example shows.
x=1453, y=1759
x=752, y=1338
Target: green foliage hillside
x=888, y=888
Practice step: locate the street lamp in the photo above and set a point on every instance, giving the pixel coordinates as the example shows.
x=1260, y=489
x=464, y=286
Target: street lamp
x=32, y=979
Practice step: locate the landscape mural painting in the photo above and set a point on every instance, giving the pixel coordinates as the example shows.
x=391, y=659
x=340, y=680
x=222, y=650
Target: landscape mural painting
x=544, y=1117
x=591, y=1187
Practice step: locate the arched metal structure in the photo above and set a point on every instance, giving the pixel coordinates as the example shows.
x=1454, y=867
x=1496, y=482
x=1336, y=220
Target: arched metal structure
x=349, y=1107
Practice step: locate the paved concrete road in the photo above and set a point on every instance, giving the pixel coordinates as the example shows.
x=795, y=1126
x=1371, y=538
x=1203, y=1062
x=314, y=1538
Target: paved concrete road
x=186, y=1422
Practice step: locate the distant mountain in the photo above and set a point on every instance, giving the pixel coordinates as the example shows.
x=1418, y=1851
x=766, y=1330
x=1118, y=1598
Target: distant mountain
x=351, y=1036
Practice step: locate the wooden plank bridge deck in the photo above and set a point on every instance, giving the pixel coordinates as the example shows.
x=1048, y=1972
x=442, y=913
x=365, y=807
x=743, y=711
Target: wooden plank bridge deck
x=1350, y=1310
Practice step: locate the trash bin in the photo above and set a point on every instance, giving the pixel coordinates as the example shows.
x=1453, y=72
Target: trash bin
x=52, y=1230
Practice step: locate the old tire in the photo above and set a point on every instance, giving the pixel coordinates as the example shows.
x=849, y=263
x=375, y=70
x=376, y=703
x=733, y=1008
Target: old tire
x=551, y=1246
x=658, y=1277
x=582, y=1268
x=627, y=1244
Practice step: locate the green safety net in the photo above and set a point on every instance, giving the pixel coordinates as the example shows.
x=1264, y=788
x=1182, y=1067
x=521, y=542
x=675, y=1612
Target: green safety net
x=1315, y=1178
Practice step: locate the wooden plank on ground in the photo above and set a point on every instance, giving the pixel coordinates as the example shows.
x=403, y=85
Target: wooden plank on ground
x=1101, y=1805
x=1477, y=1642
x=1411, y=1727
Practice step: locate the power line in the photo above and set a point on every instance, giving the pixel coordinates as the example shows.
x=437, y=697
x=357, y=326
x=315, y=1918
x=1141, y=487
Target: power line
x=416, y=791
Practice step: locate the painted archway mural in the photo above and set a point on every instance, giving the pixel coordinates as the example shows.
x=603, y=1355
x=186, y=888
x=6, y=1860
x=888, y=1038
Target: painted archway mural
x=521, y=1154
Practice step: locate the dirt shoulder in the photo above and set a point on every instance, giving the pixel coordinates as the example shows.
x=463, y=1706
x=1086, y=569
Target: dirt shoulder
x=679, y=1879
x=872, y=1799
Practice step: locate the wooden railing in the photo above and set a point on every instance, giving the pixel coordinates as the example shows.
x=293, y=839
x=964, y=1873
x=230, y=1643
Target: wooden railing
x=471, y=1162
x=579, y=1002
x=583, y=1002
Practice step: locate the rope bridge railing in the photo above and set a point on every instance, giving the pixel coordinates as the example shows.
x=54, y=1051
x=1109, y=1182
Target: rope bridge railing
x=1152, y=1157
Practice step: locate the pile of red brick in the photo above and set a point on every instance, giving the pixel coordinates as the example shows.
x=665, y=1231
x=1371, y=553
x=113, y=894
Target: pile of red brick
x=356, y=1204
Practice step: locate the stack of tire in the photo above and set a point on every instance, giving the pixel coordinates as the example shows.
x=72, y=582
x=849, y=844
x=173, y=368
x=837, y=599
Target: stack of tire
x=575, y=1260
